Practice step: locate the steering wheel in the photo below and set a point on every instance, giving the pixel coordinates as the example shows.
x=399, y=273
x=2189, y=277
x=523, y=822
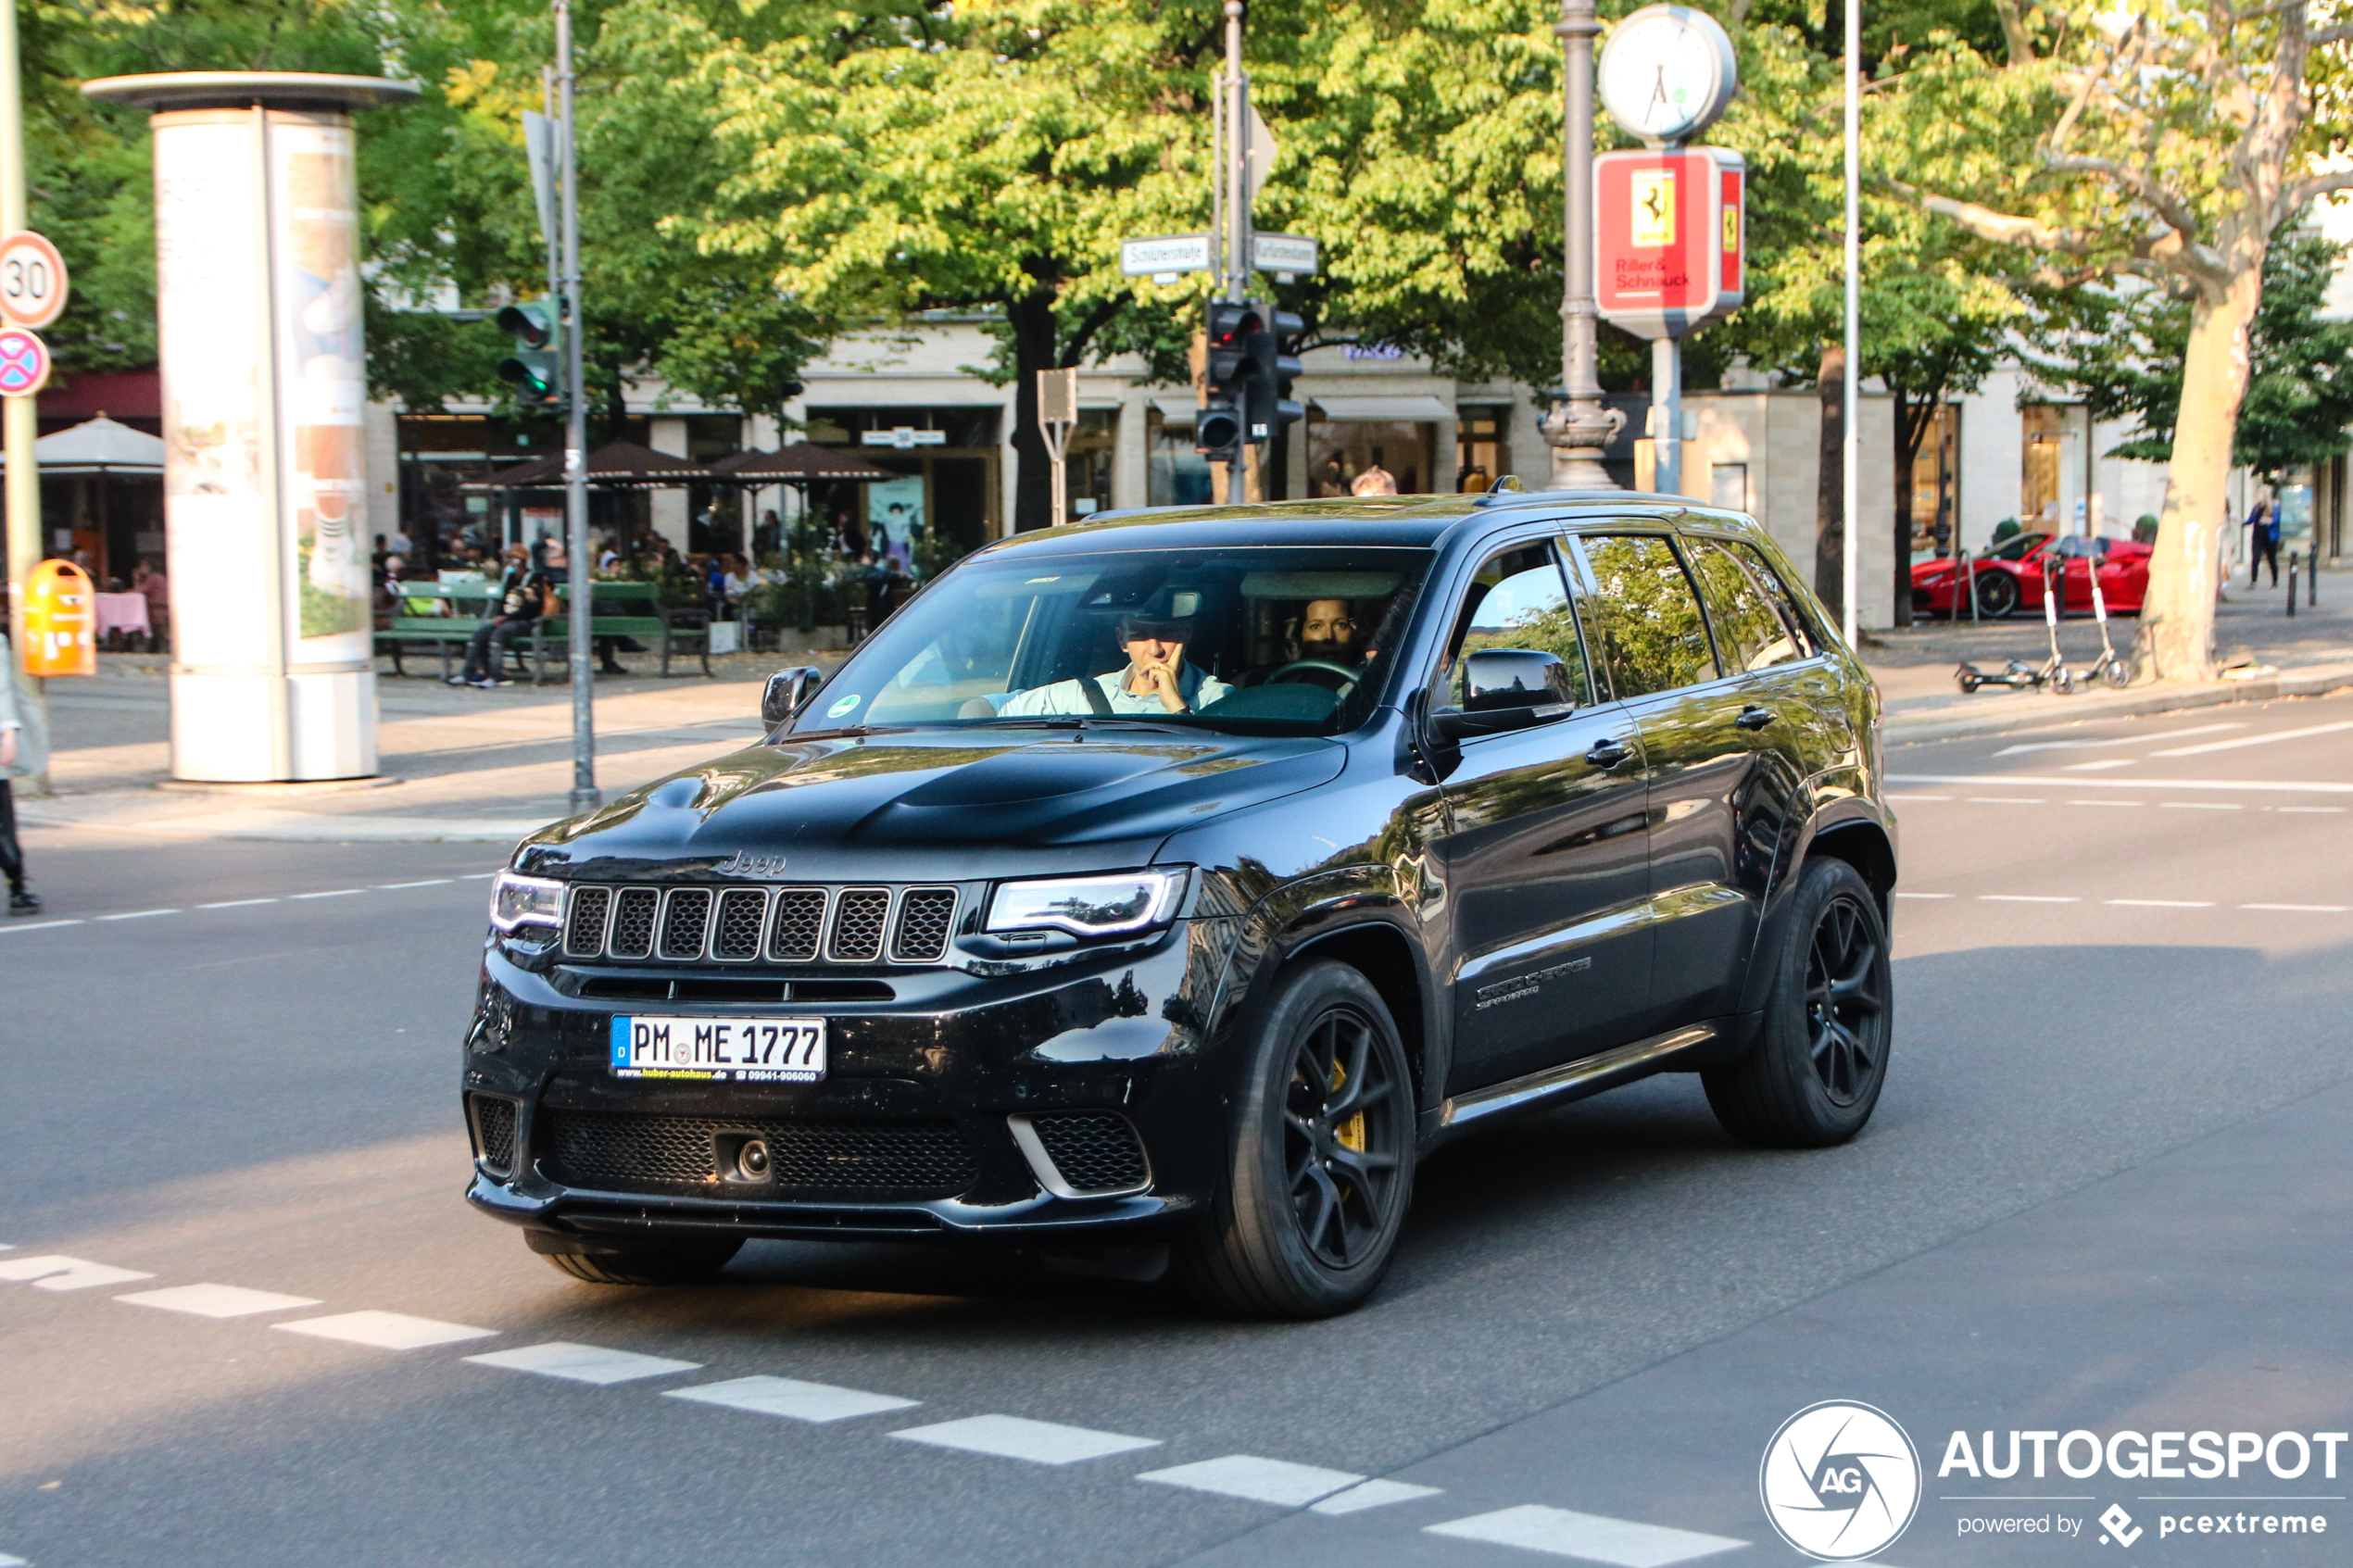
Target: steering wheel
x=1297, y=667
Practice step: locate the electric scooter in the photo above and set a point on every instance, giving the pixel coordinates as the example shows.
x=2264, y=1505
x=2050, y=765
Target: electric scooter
x=2111, y=669
x=2019, y=675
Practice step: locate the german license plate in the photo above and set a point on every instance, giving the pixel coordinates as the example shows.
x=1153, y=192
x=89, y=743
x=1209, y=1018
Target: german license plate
x=740, y=1050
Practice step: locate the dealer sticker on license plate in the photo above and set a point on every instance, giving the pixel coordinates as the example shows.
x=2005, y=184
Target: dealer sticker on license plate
x=740, y=1050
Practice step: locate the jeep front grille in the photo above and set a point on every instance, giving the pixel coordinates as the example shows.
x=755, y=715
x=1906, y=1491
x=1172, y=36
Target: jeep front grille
x=785, y=925
x=630, y=1151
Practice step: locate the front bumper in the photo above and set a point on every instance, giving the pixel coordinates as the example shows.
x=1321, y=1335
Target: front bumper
x=1126, y=1033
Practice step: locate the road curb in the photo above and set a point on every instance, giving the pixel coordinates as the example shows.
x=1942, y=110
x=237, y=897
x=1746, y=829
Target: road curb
x=2062, y=711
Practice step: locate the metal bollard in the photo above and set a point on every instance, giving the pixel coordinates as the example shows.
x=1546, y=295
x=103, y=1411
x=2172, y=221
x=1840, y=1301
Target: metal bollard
x=2291, y=584
x=2312, y=578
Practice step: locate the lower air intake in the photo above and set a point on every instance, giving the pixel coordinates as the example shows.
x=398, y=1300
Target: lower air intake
x=1095, y=1151
x=495, y=1133
x=891, y=1159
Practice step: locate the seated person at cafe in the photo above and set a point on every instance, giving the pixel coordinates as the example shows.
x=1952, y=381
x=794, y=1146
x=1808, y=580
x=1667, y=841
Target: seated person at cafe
x=1155, y=680
x=521, y=602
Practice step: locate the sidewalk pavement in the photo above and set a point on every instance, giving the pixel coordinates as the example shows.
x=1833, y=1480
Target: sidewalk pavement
x=462, y=765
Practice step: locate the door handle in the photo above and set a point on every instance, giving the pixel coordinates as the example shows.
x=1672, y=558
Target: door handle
x=1607, y=753
x=1754, y=718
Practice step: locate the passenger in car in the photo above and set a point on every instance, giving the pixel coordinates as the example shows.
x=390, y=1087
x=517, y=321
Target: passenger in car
x=1156, y=679
x=1328, y=631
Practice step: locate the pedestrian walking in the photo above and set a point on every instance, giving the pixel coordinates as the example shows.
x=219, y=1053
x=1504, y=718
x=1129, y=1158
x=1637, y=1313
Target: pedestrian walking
x=2263, y=535
x=23, y=754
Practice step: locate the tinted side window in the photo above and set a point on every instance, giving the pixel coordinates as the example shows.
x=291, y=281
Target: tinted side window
x=1653, y=638
x=1516, y=601
x=1750, y=634
x=1801, y=625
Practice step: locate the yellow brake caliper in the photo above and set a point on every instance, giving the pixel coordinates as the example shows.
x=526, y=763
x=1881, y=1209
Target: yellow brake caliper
x=1351, y=1132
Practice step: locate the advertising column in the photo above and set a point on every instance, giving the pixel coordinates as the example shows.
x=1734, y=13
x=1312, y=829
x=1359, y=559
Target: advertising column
x=264, y=380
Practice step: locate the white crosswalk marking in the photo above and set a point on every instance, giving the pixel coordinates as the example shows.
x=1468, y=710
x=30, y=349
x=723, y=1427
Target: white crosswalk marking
x=1014, y=1436
x=1373, y=1493
x=792, y=1399
x=1260, y=1480
x=1563, y=1533
x=583, y=1363
x=385, y=1331
x=2253, y=740
x=55, y=1270
x=217, y=1300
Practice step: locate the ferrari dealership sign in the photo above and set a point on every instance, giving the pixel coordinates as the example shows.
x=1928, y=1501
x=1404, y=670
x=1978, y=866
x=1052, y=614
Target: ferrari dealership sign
x=1670, y=238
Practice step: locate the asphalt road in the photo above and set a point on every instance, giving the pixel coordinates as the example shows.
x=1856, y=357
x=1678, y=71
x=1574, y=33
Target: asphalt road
x=2107, y=1189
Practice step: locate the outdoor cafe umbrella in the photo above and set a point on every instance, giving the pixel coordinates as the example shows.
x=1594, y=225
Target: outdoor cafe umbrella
x=798, y=464
x=617, y=465
x=98, y=446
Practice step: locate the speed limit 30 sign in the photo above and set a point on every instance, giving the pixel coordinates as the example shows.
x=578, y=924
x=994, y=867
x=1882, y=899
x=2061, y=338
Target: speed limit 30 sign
x=33, y=280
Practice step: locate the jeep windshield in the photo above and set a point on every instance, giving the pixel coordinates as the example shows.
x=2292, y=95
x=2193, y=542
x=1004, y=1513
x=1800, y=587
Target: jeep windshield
x=1273, y=641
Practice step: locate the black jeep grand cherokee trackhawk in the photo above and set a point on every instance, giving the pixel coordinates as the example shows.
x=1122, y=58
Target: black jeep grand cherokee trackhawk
x=1176, y=879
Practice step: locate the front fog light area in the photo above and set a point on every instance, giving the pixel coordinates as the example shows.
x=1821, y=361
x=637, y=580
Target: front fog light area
x=1088, y=905
x=521, y=900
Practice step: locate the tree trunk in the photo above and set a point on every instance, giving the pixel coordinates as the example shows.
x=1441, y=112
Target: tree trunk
x=1912, y=422
x=1033, y=323
x=1829, y=488
x=2176, y=637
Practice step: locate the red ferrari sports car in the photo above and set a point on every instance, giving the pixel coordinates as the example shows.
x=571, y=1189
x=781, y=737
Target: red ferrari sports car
x=2009, y=577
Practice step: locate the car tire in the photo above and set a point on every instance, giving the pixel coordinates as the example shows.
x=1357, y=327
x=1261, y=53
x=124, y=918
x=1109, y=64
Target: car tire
x=1814, y=1073
x=675, y=1263
x=1320, y=1163
x=1997, y=595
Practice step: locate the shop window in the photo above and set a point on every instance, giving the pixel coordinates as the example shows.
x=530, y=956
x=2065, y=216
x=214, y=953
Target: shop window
x=2041, y=465
x=1178, y=475
x=1088, y=467
x=1341, y=451
x=1936, y=480
x=1482, y=448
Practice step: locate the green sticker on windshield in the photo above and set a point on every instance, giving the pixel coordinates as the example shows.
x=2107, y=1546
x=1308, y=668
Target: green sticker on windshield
x=844, y=706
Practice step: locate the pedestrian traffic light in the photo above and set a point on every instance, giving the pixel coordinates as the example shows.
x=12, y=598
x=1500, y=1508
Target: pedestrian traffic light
x=1217, y=426
x=1274, y=363
x=1217, y=430
x=532, y=369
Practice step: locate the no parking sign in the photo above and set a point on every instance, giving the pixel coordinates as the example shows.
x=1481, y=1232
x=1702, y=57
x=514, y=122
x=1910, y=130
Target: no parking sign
x=24, y=362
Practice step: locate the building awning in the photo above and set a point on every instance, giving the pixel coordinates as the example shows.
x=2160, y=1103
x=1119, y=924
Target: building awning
x=1176, y=405
x=1415, y=409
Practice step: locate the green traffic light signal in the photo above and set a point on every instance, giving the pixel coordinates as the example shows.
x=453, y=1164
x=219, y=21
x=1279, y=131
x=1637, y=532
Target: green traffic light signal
x=533, y=370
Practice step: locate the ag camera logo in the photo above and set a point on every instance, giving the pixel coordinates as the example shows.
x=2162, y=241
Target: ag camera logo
x=1841, y=1481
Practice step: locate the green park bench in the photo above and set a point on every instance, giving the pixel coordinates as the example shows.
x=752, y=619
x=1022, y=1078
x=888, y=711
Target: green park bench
x=616, y=609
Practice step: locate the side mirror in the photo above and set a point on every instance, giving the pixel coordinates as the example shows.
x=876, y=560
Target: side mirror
x=785, y=693
x=1506, y=689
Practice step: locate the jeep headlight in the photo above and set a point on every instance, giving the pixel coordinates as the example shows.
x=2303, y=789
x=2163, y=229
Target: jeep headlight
x=1088, y=906
x=525, y=900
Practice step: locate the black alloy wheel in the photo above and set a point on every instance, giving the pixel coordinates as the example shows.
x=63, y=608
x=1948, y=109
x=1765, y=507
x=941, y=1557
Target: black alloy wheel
x=1340, y=1182
x=1320, y=1166
x=1843, y=1000
x=1998, y=594
x=1813, y=1074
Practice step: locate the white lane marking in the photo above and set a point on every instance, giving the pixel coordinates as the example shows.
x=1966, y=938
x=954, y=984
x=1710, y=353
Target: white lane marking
x=1562, y=1533
x=477, y=876
x=584, y=1363
x=1014, y=1436
x=1924, y=895
x=2108, y=803
x=792, y=1399
x=2255, y=740
x=2161, y=903
x=39, y=925
x=2201, y=806
x=2004, y=800
x=1276, y=1481
x=1893, y=797
x=55, y=1270
x=2026, y=898
x=2034, y=781
x=385, y=1331
x=333, y=893
x=218, y=1301
x=2301, y=908
x=2128, y=740
x=1373, y=1493
x=2095, y=767
x=8, y=1562
x=141, y=914
x=429, y=882
x=236, y=903
x=2332, y=810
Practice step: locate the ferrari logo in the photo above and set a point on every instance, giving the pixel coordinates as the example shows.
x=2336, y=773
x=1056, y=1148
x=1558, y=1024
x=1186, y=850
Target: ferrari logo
x=1653, y=191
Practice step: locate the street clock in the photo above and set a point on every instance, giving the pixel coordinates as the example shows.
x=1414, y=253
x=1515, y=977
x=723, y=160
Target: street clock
x=1668, y=73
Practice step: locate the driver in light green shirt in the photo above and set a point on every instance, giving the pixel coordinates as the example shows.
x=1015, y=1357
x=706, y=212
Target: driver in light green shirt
x=1156, y=680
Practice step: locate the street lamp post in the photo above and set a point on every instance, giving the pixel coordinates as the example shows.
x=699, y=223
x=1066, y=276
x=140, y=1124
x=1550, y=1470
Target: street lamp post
x=1579, y=426
x=585, y=794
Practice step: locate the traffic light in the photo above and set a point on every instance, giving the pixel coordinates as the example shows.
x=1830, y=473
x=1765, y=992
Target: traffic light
x=1217, y=426
x=1273, y=366
x=531, y=370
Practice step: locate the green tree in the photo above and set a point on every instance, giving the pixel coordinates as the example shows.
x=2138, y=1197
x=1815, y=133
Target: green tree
x=2122, y=351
